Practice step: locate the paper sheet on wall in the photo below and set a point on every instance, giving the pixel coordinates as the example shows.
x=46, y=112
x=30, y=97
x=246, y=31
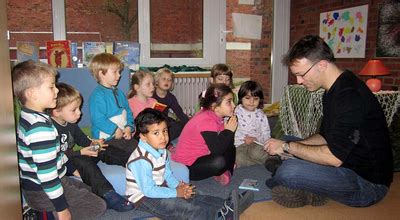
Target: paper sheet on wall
x=246, y=2
x=247, y=26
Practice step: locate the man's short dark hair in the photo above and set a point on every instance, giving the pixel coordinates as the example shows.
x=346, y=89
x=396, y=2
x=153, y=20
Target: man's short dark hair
x=311, y=47
x=146, y=118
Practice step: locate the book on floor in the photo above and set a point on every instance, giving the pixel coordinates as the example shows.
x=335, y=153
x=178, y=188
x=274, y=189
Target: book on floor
x=90, y=49
x=249, y=184
x=128, y=52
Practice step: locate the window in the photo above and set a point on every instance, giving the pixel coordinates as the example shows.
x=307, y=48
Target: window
x=199, y=42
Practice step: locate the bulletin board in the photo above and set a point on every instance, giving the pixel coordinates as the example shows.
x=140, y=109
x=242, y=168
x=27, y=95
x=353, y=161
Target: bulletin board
x=345, y=31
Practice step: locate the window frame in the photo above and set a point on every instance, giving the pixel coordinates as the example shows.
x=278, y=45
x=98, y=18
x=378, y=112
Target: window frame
x=214, y=41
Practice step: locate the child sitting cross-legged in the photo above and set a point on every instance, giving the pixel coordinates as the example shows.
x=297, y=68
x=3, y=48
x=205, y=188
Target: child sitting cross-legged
x=253, y=128
x=64, y=117
x=110, y=114
x=152, y=187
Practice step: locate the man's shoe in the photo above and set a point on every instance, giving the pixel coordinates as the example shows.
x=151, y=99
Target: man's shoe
x=295, y=198
x=117, y=202
x=272, y=163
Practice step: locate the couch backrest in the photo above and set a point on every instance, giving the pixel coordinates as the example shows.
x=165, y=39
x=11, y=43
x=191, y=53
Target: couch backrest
x=82, y=80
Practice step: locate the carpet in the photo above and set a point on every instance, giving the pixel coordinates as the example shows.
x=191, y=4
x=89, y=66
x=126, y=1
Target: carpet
x=211, y=187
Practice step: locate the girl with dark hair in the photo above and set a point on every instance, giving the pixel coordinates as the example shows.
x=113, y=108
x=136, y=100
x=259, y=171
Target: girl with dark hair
x=206, y=145
x=253, y=128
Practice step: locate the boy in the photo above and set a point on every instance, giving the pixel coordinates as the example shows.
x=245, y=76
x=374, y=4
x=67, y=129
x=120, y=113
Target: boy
x=64, y=117
x=110, y=114
x=152, y=187
x=42, y=171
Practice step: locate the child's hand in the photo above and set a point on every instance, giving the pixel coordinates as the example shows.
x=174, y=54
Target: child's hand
x=64, y=215
x=249, y=139
x=231, y=124
x=119, y=133
x=88, y=152
x=127, y=133
x=185, y=190
x=100, y=142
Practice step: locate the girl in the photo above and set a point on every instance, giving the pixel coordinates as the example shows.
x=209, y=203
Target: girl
x=253, y=128
x=206, y=144
x=164, y=80
x=220, y=73
x=142, y=89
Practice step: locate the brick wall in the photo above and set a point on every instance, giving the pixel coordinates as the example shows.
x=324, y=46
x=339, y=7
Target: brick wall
x=92, y=16
x=305, y=20
x=254, y=63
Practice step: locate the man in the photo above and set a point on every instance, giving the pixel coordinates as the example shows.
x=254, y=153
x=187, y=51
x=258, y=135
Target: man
x=350, y=159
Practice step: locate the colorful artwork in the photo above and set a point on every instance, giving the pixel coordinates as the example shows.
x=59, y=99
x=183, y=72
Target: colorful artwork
x=345, y=31
x=388, y=43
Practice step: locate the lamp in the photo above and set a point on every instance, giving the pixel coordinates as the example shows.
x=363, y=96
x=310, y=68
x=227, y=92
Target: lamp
x=374, y=68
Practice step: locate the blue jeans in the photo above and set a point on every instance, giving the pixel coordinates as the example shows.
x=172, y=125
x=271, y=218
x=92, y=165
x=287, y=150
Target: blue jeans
x=337, y=183
x=199, y=207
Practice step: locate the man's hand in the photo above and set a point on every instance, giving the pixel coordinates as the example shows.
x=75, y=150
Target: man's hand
x=273, y=146
x=86, y=151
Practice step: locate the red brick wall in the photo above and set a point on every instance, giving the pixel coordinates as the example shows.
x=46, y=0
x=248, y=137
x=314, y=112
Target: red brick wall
x=91, y=16
x=255, y=63
x=305, y=20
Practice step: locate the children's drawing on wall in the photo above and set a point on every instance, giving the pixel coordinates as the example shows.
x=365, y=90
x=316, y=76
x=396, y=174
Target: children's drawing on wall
x=388, y=44
x=345, y=31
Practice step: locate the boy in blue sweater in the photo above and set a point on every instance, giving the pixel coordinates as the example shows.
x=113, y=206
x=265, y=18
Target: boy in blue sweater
x=41, y=162
x=152, y=187
x=111, y=117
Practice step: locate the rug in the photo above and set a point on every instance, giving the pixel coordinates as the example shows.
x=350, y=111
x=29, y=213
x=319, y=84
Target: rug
x=211, y=187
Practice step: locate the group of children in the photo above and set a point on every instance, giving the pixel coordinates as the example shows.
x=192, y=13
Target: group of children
x=133, y=133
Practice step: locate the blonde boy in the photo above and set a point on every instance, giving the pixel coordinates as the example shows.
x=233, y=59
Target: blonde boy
x=110, y=114
x=42, y=171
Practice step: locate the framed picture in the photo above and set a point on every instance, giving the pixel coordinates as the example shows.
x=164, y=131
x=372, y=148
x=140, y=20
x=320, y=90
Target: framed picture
x=345, y=31
x=388, y=39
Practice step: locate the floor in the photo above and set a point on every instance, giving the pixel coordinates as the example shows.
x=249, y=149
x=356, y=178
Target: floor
x=388, y=208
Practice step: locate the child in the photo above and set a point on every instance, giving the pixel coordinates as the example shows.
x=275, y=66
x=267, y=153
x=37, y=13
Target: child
x=164, y=79
x=220, y=73
x=141, y=93
x=206, y=144
x=42, y=169
x=64, y=117
x=110, y=114
x=252, y=125
x=153, y=189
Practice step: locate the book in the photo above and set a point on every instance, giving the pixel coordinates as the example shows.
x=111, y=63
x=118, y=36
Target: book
x=90, y=49
x=249, y=184
x=74, y=54
x=159, y=106
x=59, y=53
x=128, y=52
x=27, y=50
x=109, y=47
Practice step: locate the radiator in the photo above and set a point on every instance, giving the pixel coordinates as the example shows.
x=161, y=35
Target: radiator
x=187, y=90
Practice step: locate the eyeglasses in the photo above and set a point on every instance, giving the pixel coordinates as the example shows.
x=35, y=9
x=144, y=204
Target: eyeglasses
x=304, y=74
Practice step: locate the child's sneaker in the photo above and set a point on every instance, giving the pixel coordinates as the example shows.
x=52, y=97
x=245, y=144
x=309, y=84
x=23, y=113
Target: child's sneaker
x=117, y=202
x=223, y=179
x=235, y=205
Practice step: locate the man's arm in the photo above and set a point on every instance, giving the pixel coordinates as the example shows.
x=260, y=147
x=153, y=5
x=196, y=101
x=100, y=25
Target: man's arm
x=316, y=139
x=319, y=154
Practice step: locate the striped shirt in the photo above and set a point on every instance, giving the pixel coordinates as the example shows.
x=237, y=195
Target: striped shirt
x=148, y=173
x=40, y=157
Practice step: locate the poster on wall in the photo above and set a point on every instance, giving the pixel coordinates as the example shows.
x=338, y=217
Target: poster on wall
x=345, y=31
x=388, y=39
